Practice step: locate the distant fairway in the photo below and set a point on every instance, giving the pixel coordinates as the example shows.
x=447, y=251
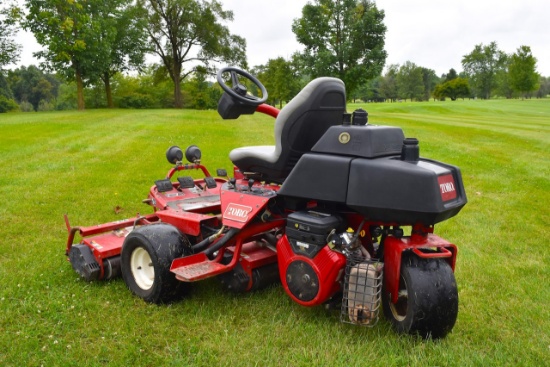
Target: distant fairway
x=87, y=163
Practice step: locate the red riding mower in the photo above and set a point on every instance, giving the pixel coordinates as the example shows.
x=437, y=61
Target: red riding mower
x=339, y=211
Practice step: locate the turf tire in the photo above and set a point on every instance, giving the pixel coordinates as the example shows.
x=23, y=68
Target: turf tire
x=428, y=298
x=146, y=257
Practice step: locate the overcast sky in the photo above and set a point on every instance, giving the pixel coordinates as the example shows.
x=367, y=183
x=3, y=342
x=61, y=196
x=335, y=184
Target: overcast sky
x=431, y=33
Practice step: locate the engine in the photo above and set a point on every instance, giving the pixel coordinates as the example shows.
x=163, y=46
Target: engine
x=311, y=272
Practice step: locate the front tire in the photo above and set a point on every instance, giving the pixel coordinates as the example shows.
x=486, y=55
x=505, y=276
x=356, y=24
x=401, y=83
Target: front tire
x=146, y=257
x=427, y=303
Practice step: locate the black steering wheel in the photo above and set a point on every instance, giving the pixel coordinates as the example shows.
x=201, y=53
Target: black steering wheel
x=239, y=91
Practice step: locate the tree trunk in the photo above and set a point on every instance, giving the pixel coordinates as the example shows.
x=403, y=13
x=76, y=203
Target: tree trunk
x=178, y=99
x=79, y=90
x=107, y=81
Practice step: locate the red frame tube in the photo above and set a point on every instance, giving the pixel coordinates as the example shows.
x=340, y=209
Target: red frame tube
x=268, y=110
x=188, y=166
x=393, y=253
x=102, y=228
x=239, y=239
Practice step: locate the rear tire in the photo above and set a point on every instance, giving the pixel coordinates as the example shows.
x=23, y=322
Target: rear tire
x=427, y=303
x=146, y=257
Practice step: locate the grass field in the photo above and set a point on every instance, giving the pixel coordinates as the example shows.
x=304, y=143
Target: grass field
x=87, y=163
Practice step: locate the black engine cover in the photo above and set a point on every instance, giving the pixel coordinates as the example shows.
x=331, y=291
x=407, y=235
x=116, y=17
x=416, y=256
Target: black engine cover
x=389, y=189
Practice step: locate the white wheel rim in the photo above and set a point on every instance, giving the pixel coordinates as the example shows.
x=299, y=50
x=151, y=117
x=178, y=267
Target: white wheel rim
x=399, y=310
x=142, y=268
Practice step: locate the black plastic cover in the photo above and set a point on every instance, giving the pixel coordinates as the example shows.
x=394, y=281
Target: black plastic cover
x=230, y=109
x=368, y=141
x=307, y=231
x=164, y=185
x=186, y=182
x=392, y=190
x=314, y=222
x=210, y=182
x=318, y=177
x=84, y=262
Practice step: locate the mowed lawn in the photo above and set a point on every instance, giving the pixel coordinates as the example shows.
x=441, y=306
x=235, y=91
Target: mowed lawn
x=87, y=164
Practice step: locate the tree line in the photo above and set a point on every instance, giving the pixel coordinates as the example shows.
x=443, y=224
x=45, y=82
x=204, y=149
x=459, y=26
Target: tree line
x=487, y=72
x=89, y=47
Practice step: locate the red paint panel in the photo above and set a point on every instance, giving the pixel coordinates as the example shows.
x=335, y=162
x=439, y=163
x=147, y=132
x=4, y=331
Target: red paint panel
x=239, y=208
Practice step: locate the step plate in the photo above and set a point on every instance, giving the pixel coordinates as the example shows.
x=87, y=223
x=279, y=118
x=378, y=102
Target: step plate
x=203, y=270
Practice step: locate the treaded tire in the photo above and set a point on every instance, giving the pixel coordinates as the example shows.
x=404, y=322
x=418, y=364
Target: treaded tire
x=146, y=257
x=428, y=298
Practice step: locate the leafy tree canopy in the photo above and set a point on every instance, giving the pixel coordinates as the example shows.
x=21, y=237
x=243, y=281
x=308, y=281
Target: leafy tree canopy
x=32, y=85
x=344, y=39
x=191, y=32
x=453, y=89
x=281, y=79
x=522, y=71
x=410, y=82
x=451, y=75
x=69, y=32
x=388, y=84
x=482, y=65
x=9, y=49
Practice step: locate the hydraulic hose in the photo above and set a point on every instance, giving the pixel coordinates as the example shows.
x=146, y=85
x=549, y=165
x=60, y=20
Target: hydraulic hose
x=229, y=235
x=198, y=247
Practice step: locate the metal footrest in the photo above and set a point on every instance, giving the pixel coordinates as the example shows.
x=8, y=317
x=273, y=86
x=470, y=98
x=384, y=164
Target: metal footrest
x=197, y=267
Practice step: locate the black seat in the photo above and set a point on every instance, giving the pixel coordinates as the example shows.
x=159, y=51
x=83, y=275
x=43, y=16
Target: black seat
x=299, y=125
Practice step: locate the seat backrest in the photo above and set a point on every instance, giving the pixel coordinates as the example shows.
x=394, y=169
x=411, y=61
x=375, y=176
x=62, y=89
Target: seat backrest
x=301, y=123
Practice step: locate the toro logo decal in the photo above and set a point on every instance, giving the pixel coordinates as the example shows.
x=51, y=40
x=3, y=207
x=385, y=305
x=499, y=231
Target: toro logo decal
x=237, y=212
x=447, y=187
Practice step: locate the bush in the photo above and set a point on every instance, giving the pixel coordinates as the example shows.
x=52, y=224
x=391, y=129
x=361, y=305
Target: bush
x=26, y=107
x=136, y=100
x=7, y=105
x=44, y=105
x=66, y=98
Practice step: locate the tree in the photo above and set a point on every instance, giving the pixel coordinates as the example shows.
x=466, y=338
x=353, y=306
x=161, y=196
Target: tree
x=453, y=89
x=522, y=71
x=482, y=65
x=201, y=93
x=371, y=91
x=388, y=84
x=544, y=88
x=409, y=81
x=5, y=90
x=429, y=80
x=502, y=81
x=344, y=39
x=30, y=84
x=86, y=40
x=281, y=79
x=190, y=32
x=124, y=31
x=69, y=32
x=450, y=76
x=9, y=49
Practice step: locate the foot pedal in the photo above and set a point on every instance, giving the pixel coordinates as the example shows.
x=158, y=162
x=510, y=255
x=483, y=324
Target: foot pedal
x=186, y=182
x=210, y=182
x=164, y=185
x=197, y=267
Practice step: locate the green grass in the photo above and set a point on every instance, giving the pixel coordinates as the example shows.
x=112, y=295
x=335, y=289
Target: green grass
x=87, y=163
